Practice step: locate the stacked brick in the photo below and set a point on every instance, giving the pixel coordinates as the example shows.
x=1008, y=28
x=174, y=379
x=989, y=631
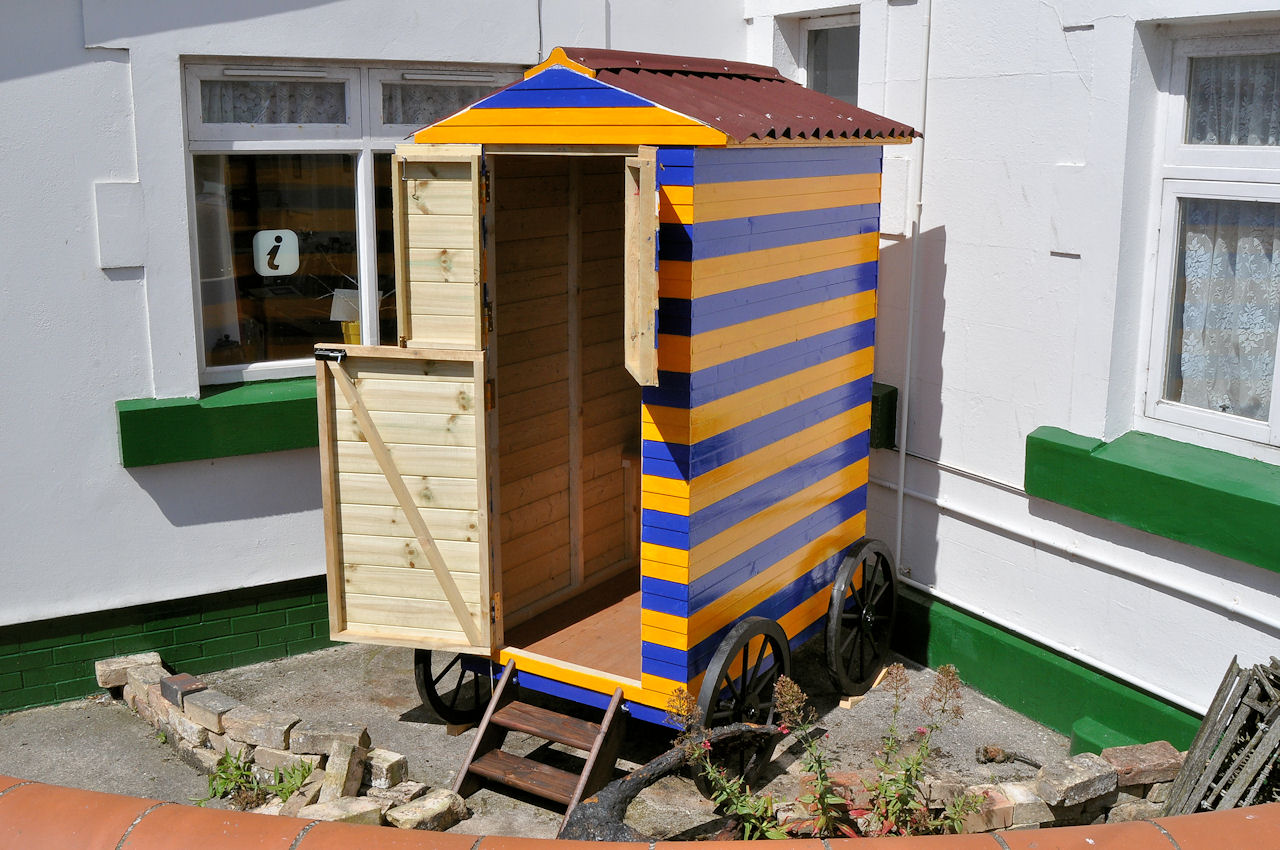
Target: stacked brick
x=350, y=781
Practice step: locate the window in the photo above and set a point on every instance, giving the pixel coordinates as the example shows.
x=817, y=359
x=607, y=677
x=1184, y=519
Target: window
x=291, y=191
x=831, y=55
x=1217, y=299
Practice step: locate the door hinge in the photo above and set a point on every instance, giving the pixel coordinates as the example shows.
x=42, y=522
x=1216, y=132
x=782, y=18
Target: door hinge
x=490, y=394
x=495, y=606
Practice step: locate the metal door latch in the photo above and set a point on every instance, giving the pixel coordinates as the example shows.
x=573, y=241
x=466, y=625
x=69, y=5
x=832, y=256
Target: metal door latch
x=333, y=355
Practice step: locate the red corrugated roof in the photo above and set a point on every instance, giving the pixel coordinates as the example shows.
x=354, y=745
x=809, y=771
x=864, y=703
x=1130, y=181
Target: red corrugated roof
x=744, y=101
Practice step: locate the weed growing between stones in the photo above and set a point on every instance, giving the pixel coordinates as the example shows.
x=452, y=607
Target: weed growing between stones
x=285, y=783
x=233, y=777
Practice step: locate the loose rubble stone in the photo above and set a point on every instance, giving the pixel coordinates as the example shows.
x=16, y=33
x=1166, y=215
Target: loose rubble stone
x=852, y=784
x=271, y=807
x=400, y=794
x=386, y=768
x=1135, y=810
x=208, y=707
x=223, y=743
x=1028, y=808
x=996, y=811
x=1075, y=780
x=1159, y=792
x=202, y=759
x=437, y=810
x=273, y=759
x=188, y=730
x=129, y=697
x=345, y=810
x=114, y=672
x=343, y=771
x=260, y=728
x=317, y=738
x=179, y=685
x=1142, y=764
x=304, y=796
x=144, y=710
x=142, y=677
x=940, y=791
x=159, y=705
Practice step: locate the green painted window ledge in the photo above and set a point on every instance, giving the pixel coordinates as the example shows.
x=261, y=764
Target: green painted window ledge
x=239, y=419
x=1210, y=499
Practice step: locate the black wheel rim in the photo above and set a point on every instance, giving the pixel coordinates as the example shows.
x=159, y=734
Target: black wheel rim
x=460, y=692
x=860, y=619
x=738, y=688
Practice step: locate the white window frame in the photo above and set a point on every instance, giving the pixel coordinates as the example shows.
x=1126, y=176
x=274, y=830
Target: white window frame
x=1225, y=172
x=364, y=135
x=825, y=22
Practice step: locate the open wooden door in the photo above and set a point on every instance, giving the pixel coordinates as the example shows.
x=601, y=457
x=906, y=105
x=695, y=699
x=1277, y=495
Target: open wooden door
x=406, y=432
x=641, y=214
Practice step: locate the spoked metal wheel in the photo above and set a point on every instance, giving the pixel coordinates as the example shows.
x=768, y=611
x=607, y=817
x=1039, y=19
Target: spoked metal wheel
x=738, y=688
x=460, y=692
x=864, y=600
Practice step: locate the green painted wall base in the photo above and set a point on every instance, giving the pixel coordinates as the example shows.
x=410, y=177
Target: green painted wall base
x=1094, y=709
x=52, y=660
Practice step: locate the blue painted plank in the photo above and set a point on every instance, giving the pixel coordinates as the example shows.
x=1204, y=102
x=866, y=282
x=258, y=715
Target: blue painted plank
x=675, y=175
x=665, y=468
x=665, y=654
x=720, y=165
x=672, y=391
x=662, y=587
x=675, y=316
x=559, y=77
x=662, y=519
x=759, y=233
x=675, y=156
x=655, y=716
x=666, y=671
x=667, y=605
x=602, y=97
x=543, y=685
x=713, y=312
x=664, y=537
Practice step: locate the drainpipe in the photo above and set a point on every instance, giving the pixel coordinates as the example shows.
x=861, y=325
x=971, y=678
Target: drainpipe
x=911, y=286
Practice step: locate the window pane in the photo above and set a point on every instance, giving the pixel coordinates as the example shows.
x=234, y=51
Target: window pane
x=276, y=239
x=1222, y=340
x=272, y=102
x=833, y=62
x=424, y=103
x=1234, y=100
x=386, y=247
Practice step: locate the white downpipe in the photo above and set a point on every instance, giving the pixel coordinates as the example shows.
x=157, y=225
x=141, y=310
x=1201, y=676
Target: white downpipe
x=911, y=284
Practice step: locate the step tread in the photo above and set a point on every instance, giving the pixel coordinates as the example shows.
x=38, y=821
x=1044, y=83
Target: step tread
x=549, y=725
x=534, y=777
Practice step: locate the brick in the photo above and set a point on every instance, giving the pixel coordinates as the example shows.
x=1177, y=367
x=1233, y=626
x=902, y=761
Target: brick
x=274, y=759
x=84, y=652
x=306, y=795
x=436, y=810
x=73, y=689
x=405, y=792
x=142, y=642
x=345, y=810
x=260, y=728
x=1028, y=808
x=318, y=737
x=343, y=771
x=178, y=686
x=170, y=621
x=1075, y=780
x=202, y=631
x=284, y=634
x=159, y=705
x=230, y=644
x=256, y=655
x=28, y=661
x=208, y=707
x=1143, y=764
x=53, y=674
x=188, y=730
x=257, y=622
x=385, y=768
x=129, y=697
x=996, y=811
x=141, y=676
x=1135, y=810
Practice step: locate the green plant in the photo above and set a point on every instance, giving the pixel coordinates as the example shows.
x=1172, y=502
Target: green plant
x=827, y=811
x=162, y=736
x=285, y=783
x=233, y=777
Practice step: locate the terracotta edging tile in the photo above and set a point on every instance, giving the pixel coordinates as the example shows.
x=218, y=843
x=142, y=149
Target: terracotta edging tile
x=1256, y=828
x=349, y=836
x=40, y=815
x=9, y=782
x=1135, y=835
x=209, y=829
x=977, y=841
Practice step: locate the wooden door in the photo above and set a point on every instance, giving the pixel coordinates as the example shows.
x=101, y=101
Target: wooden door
x=641, y=270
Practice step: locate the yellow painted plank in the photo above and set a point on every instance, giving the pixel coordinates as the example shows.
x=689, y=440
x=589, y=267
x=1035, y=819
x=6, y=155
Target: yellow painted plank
x=731, y=411
x=666, y=424
x=569, y=116
x=715, y=275
x=745, y=190
x=577, y=135
x=806, y=613
x=665, y=687
x=667, y=622
x=664, y=486
x=724, y=210
x=666, y=572
x=741, y=340
x=655, y=634
x=571, y=674
x=666, y=504
x=664, y=554
x=675, y=279
x=735, y=540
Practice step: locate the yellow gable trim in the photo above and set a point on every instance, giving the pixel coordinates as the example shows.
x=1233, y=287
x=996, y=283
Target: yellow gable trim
x=558, y=57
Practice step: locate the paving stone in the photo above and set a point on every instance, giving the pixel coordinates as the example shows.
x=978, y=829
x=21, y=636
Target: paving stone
x=437, y=810
x=1028, y=808
x=188, y=730
x=1074, y=780
x=258, y=727
x=385, y=768
x=208, y=707
x=318, y=737
x=996, y=811
x=273, y=759
x=1135, y=810
x=1142, y=764
x=400, y=794
x=304, y=796
x=345, y=810
x=143, y=676
x=114, y=672
x=343, y=771
x=179, y=685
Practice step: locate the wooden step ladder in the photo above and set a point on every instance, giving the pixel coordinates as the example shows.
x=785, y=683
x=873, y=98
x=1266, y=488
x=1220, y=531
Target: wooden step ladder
x=487, y=761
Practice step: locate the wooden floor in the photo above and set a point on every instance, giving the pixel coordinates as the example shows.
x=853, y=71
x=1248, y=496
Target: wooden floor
x=600, y=629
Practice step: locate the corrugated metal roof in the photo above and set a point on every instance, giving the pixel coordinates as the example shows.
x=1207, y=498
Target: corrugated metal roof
x=744, y=101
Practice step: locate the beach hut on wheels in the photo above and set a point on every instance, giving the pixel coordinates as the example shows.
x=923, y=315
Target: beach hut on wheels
x=622, y=442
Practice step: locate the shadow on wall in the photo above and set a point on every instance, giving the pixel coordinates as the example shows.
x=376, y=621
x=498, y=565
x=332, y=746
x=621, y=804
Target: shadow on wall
x=233, y=488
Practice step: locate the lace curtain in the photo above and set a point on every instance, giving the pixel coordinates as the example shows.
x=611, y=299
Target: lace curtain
x=272, y=102
x=1234, y=100
x=1227, y=306
x=422, y=104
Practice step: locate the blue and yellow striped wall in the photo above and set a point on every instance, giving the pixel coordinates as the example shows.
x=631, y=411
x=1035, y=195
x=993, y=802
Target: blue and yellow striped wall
x=755, y=442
